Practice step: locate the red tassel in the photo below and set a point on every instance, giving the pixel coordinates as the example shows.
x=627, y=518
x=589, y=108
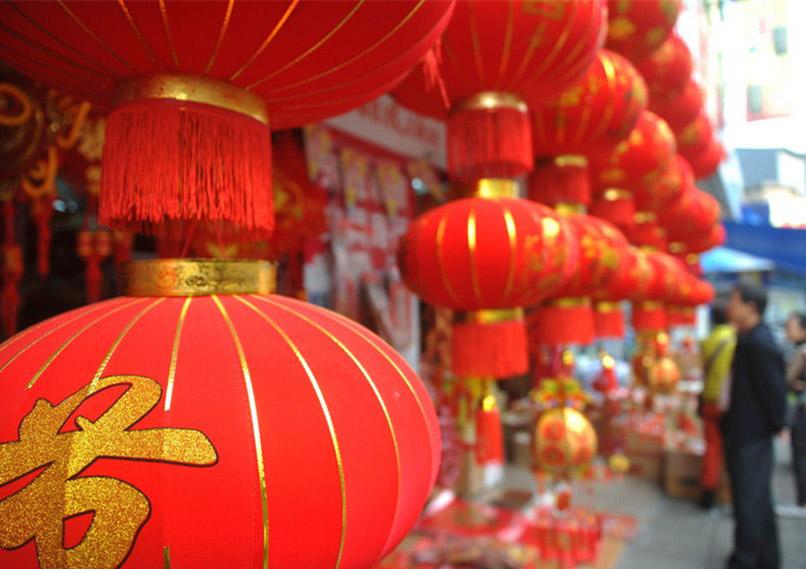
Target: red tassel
x=489, y=143
x=489, y=434
x=608, y=320
x=649, y=317
x=171, y=160
x=563, y=179
x=11, y=272
x=492, y=349
x=42, y=212
x=560, y=322
x=616, y=207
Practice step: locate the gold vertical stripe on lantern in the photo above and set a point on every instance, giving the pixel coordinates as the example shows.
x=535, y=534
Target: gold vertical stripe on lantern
x=250, y=393
x=443, y=222
x=328, y=419
x=512, y=235
x=472, y=244
x=169, y=391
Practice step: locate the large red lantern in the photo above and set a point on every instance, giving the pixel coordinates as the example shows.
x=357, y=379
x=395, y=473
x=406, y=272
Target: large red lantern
x=668, y=70
x=194, y=87
x=488, y=255
x=592, y=115
x=194, y=424
x=638, y=27
x=497, y=57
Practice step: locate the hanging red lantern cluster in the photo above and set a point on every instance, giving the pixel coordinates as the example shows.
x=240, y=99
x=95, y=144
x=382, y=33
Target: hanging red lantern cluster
x=194, y=87
x=230, y=372
x=637, y=28
x=496, y=59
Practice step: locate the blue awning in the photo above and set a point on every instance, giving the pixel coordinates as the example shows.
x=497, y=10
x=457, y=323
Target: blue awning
x=727, y=260
x=786, y=248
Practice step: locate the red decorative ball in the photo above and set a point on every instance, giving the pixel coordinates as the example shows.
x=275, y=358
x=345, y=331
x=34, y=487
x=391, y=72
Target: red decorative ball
x=695, y=213
x=694, y=139
x=707, y=162
x=595, y=113
x=639, y=27
x=670, y=185
x=668, y=70
x=679, y=109
x=210, y=431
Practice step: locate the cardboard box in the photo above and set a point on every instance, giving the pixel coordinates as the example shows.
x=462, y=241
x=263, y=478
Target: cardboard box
x=681, y=476
x=648, y=467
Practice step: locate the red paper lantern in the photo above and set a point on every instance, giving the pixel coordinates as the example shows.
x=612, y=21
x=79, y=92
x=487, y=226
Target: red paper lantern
x=615, y=206
x=195, y=86
x=668, y=70
x=700, y=243
x=595, y=113
x=695, y=213
x=707, y=162
x=679, y=109
x=649, y=313
x=647, y=233
x=497, y=57
x=631, y=281
x=695, y=138
x=670, y=185
x=637, y=161
x=186, y=428
x=638, y=27
x=592, y=115
x=568, y=317
x=525, y=255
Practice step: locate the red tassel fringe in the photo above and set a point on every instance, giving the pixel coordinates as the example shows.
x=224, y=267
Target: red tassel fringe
x=170, y=160
x=649, y=318
x=609, y=324
x=489, y=143
x=561, y=325
x=551, y=184
x=489, y=350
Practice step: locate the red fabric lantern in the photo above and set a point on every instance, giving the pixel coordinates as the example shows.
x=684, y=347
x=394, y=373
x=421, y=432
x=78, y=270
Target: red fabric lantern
x=668, y=70
x=694, y=139
x=707, y=162
x=695, y=213
x=701, y=243
x=648, y=313
x=679, y=109
x=638, y=160
x=208, y=430
x=195, y=86
x=525, y=255
x=615, y=206
x=647, y=233
x=673, y=181
x=497, y=57
x=592, y=115
x=568, y=317
x=638, y=27
x=630, y=281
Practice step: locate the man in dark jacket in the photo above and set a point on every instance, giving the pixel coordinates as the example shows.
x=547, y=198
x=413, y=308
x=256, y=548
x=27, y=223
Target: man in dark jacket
x=755, y=405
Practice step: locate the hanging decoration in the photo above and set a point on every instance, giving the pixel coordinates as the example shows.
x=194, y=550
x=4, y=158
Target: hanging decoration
x=137, y=381
x=637, y=28
x=195, y=87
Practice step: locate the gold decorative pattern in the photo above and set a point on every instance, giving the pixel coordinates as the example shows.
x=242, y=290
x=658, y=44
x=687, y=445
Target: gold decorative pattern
x=250, y=393
x=194, y=89
x=325, y=411
x=198, y=277
x=169, y=389
x=615, y=194
x=607, y=307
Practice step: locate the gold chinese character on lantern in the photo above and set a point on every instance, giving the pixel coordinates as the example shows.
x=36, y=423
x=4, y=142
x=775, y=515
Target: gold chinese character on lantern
x=38, y=511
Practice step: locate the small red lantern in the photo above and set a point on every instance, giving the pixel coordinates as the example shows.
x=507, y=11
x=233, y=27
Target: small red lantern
x=631, y=281
x=694, y=214
x=194, y=87
x=668, y=70
x=592, y=115
x=497, y=57
x=707, y=162
x=695, y=138
x=615, y=206
x=679, y=109
x=639, y=27
x=675, y=179
x=195, y=424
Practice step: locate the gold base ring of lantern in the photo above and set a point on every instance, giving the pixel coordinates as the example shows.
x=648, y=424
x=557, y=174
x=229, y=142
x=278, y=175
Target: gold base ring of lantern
x=570, y=302
x=615, y=194
x=491, y=100
x=607, y=307
x=492, y=188
x=567, y=208
x=193, y=89
x=645, y=217
x=198, y=277
x=570, y=160
x=489, y=316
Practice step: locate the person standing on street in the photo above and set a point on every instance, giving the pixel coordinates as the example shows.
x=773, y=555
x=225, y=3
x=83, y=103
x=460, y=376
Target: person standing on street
x=796, y=381
x=717, y=354
x=755, y=413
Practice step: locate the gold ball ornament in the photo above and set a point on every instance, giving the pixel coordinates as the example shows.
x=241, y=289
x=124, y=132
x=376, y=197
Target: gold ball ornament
x=565, y=441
